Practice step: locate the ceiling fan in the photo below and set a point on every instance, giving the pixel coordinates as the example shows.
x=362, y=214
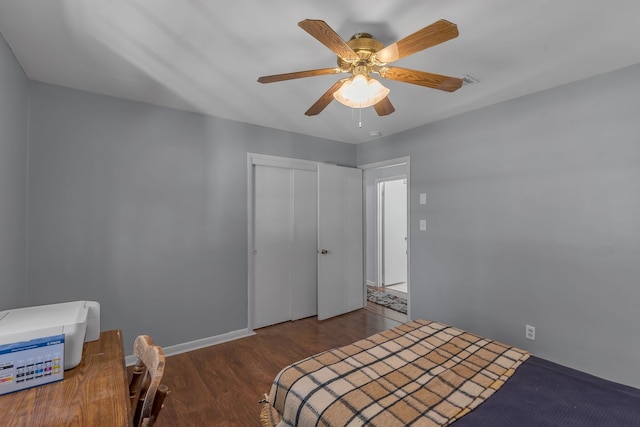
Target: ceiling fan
x=362, y=56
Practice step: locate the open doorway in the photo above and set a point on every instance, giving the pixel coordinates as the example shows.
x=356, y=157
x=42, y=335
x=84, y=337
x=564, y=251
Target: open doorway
x=387, y=239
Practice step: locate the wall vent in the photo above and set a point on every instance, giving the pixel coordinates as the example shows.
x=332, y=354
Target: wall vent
x=469, y=80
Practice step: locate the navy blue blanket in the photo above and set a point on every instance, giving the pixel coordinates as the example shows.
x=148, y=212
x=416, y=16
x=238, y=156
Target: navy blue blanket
x=544, y=394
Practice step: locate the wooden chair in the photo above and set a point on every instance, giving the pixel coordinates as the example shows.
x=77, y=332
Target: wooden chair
x=145, y=391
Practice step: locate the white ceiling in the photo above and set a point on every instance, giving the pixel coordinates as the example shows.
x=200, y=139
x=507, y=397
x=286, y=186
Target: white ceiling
x=205, y=56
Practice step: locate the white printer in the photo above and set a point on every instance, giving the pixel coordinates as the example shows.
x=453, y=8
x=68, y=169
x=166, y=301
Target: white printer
x=78, y=321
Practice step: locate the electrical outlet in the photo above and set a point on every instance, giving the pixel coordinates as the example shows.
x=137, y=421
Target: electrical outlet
x=530, y=332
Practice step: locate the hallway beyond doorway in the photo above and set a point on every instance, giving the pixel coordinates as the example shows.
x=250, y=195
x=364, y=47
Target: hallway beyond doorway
x=383, y=310
x=398, y=287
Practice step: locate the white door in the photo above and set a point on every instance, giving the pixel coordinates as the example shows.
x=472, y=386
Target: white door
x=272, y=244
x=340, y=241
x=304, y=271
x=394, y=232
x=285, y=248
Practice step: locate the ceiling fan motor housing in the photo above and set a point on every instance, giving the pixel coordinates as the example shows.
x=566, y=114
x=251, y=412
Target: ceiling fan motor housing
x=364, y=45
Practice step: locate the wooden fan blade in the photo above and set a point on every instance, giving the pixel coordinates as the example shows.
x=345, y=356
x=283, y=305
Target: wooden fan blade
x=384, y=107
x=434, y=34
x=322, y=32
x=298, y=75
x=324, y=100
x=422, y=78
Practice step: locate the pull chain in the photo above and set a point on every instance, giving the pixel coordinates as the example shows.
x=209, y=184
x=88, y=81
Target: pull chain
x=359, y=116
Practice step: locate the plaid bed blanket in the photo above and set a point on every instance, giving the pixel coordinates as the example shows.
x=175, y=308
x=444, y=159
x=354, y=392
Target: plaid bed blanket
x=421, y=373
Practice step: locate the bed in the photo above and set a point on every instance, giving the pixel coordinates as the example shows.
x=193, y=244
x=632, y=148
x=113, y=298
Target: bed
x=425, y=373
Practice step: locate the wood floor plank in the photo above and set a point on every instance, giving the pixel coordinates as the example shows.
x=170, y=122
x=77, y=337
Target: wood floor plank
x=221, y=385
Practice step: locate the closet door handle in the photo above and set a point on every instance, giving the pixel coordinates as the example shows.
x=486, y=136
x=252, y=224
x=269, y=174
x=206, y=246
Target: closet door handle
x=324, y=251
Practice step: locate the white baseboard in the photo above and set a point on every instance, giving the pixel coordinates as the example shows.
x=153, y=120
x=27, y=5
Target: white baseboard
x=197, y=344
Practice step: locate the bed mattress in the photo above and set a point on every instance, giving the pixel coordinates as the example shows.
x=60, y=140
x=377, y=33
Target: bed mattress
x=425, y=373
x=420, y=373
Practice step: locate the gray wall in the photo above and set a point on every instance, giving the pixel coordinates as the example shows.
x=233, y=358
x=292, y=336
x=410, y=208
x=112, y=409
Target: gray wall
x=14, y=94
x=533, y=217
x=144, y=209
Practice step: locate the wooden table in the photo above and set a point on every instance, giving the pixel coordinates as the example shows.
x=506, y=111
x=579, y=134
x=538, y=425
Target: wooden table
x=94, y=393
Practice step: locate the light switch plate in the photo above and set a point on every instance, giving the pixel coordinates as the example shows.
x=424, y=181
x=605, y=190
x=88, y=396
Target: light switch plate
x=423, y=225
x=423, y=198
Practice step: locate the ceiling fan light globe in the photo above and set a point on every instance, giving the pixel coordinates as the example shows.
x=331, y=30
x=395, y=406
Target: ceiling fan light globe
x=360, y=92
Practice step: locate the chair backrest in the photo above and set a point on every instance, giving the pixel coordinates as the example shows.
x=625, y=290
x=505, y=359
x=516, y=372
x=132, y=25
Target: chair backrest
x=145, y=391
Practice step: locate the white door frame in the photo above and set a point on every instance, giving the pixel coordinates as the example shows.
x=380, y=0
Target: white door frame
x=385, y=164
x=265, y=160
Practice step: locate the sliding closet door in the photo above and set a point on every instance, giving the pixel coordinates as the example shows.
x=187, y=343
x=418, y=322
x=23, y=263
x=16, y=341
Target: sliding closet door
x=272, y=244
x=304, y=271
x=285, y=244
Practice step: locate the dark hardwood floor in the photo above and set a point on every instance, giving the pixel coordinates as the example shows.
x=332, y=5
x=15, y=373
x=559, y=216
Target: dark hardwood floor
x=222, y=384
x=384, y=311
